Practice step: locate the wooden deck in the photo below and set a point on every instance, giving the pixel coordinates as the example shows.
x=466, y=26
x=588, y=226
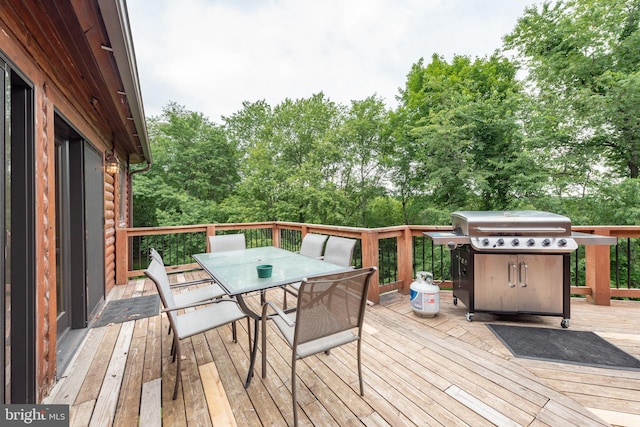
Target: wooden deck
x=417, y=371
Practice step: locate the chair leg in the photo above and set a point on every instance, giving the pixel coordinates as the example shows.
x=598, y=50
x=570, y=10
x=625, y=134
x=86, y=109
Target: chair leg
x=234, y=333
x=294, y=396
x=264, y=345
x=360, y=367
x=249, y=331
x=178, y=372
x=284, y=299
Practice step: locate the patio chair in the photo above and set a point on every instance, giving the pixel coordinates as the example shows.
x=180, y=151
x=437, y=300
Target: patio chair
x=312, y=246
x=190, y=323
x=339, y=250
x=329, y=313
x=227, y=242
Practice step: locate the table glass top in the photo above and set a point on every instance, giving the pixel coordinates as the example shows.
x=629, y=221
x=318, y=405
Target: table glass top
x=236, y=271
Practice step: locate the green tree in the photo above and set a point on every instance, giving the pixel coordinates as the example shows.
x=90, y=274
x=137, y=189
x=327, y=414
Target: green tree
x=364, y=143
x=290, y=161
x=583, y=59
x=195, y=168
x=460, y=134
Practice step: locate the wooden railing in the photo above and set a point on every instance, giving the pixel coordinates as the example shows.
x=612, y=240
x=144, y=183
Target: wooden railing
x=131, y=253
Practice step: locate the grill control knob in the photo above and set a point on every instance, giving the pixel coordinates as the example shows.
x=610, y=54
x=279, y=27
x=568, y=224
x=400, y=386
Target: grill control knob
x=485, y=242
x=562, y=242
x=501, y=242
x=515, y=242
x=531, y=242
x=546, y=242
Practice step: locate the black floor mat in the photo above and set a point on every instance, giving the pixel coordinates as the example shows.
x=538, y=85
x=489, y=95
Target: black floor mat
x=128, y=309
x=563, y=345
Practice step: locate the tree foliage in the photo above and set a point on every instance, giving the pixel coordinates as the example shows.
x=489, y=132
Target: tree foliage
x=469, y=133
x=583, y=59
x=460, y=133
x=195, y=168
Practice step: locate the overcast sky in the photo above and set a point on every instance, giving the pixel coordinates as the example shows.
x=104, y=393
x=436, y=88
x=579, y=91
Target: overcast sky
x=212, y=55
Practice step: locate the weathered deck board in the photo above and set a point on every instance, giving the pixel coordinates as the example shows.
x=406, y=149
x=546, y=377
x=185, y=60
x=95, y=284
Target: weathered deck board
x=95, y=376
x=151, y=404
x=69, y=386
x=219, y=407
x=128, y=402
x=417, y=371
x=153, y=350
x=107, y=402
x=80, y=415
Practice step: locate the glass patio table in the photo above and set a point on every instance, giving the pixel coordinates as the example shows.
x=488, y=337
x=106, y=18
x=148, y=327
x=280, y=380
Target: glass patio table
x=236, y=273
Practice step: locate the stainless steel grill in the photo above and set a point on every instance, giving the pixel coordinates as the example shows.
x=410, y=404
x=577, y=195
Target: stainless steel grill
x=514, y=262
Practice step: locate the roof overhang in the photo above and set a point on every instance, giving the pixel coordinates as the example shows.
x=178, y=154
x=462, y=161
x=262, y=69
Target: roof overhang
x=116, y=22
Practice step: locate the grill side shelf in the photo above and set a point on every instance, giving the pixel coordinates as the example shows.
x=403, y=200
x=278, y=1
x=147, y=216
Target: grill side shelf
x=593, y=239
x=446, y=237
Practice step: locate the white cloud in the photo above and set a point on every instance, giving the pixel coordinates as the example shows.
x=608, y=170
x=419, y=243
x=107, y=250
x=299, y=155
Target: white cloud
x=211, y=55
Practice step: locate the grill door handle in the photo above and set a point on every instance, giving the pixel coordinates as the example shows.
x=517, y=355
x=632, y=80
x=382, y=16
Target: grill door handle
x=523, y=268
x=511, y=267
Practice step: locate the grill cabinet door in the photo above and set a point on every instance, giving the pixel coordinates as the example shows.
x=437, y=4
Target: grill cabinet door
x=495, y=282
x=540, y=283
x=518, y=283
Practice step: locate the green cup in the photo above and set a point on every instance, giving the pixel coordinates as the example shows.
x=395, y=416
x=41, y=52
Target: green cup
x=264, y=271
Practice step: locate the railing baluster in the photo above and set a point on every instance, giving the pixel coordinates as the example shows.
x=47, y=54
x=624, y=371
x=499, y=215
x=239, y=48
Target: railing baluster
x=577, y=268
x=628, y=263
x=617, y=262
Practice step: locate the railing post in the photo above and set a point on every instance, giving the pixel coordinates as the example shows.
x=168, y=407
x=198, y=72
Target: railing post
x=598, y=271
x=122, y=256
x=211, y=231
x=275, y=235
x=370, y=248
x=405, y=259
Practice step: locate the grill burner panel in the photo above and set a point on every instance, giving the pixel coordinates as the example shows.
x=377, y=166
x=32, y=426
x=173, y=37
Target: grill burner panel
x=524, y=243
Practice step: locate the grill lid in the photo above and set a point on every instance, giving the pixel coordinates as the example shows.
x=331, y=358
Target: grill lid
x=510, y=223
x=531, y=231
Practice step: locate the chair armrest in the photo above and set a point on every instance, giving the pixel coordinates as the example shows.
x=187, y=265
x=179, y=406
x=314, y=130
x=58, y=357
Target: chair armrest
x=278, y=311
x=197, y=304
x=191, y=283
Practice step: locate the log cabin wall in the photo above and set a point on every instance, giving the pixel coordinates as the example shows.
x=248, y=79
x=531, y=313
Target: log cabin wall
x=62, y=49
x=110, y=221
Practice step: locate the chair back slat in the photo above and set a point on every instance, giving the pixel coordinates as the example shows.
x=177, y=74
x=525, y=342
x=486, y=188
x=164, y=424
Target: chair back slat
x=339, y=250
x=330, y=304
x=312, y=245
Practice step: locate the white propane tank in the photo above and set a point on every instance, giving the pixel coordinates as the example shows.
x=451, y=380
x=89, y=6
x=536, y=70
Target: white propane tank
x=425, y=296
